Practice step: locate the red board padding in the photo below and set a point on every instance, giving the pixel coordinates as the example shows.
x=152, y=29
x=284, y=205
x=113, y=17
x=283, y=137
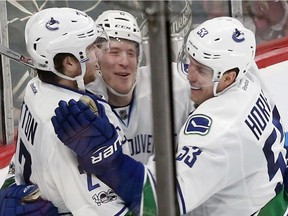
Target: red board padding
x=7, y=151
x=272, y=52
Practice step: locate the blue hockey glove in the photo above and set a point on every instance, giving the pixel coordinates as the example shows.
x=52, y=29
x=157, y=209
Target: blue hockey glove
x=12, y=202
x=85, y=128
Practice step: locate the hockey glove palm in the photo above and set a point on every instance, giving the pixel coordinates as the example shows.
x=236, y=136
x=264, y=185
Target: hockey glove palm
x=12, y=202
x=91, y=136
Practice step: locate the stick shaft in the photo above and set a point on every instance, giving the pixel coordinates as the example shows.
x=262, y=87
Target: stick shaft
x=16, y=56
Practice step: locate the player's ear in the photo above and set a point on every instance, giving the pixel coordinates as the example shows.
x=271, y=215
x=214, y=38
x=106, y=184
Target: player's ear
x=227, y=79
x=69, y=61
x=70, y=65
x=230, y=76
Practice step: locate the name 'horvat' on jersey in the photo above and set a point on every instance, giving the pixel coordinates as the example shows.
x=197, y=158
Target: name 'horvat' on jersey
x=29, y=125
x=259, y=116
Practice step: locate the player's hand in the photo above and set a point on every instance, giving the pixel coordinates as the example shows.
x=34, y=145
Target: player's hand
x=88, y=133
x=24, y=200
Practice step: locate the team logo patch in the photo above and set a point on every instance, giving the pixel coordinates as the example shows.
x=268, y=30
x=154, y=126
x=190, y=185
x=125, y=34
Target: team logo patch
x=198, y=124
x=104, y=197
x=238, y=36
x=52, y=24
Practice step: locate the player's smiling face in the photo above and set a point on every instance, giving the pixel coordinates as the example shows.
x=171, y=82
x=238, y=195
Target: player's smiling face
x=119, y=65
x=200, y=79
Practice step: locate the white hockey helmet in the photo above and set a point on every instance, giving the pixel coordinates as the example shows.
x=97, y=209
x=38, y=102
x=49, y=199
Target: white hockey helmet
x=120, y=24
x=60, y=30
x=222, y=43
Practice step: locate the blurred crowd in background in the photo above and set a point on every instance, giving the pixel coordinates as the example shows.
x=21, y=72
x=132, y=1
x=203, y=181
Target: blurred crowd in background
x=268, y=19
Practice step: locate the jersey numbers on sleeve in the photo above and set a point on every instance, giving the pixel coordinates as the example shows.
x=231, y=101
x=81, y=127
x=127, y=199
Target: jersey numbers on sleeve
x=188, y=155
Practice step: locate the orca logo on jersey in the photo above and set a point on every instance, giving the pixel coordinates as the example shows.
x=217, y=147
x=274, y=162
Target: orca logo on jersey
x=198, y=124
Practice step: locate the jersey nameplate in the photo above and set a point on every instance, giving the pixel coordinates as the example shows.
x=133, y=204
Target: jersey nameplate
x=259, y=116
x=28, y=124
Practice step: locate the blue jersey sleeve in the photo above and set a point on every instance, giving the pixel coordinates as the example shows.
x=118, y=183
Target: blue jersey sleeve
x=127, y=181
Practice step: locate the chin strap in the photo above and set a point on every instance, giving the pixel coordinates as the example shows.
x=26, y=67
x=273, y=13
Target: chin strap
x=120, y=94
x=215, y=93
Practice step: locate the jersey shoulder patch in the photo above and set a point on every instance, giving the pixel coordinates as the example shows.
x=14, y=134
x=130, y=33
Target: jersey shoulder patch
x=198, y=124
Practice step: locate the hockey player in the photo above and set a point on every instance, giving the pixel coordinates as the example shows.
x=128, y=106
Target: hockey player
x=127, y=87
x=63, y=44
x=119, y=70
x=230, y=158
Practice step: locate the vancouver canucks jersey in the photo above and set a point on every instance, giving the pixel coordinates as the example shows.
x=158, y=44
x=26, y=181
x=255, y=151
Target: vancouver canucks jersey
x=43, y=160
x=231, y=159
x=137, y=118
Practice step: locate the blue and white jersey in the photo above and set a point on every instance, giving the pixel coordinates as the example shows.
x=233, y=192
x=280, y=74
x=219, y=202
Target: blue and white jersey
x=230, y=158
x=137, y=118
x=42, y=159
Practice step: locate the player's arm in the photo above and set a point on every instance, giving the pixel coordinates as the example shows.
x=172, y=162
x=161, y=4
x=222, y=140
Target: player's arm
x=98, y=147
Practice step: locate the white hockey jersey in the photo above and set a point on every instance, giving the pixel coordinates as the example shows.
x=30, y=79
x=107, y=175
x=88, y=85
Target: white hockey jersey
x=43, y=160
x=231, y=159
x=137, y=118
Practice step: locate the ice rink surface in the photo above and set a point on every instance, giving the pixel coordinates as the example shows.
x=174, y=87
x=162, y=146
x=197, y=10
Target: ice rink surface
x=274, y=77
